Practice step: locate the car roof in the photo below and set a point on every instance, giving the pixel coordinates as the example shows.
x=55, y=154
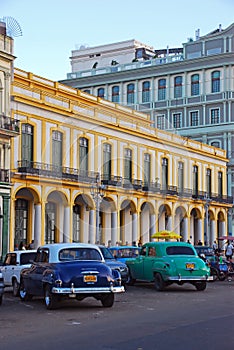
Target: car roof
x=124, y=247
x=54, y=248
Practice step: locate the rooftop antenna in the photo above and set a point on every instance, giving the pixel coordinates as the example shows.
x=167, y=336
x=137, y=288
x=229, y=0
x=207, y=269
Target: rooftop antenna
x=13, y=28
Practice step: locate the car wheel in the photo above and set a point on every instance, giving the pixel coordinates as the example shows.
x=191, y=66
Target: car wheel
x=15, y=286
x=131, y=281
x=159, y=283
x=0, y=299
x=222, y=276
x=24, y=295
x=51, y=300
x=108, y=300
x=200, y=285
x=214, y=273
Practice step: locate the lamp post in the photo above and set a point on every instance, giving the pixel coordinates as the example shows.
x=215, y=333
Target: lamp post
x=97, y=190
x=206, y=206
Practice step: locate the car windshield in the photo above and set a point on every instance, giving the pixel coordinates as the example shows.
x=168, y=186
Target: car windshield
x=179, y=250
x=205, y=250
x=70, y=254
x=106, y=253
x=126, y=253
x=26, y=258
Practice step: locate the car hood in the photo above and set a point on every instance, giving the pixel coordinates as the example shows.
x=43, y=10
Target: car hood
x=115, y=264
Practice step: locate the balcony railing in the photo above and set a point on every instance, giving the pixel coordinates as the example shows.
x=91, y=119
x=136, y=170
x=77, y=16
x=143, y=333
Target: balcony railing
x=7, y=123
x=79, y=175
x=4, y=175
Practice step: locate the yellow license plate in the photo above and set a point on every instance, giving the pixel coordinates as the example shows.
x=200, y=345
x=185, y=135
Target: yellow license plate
x=190, y=266
x=90, y=278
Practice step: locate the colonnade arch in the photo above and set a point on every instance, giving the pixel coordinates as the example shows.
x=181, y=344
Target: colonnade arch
x=55, y=217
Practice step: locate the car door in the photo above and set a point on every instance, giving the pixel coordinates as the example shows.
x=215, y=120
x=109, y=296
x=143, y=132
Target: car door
x=148, y=263
x=139, y=265
x=35, y=274
x=8, y=268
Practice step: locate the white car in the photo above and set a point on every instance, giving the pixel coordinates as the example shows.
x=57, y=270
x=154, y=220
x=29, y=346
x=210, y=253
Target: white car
x=13, y=263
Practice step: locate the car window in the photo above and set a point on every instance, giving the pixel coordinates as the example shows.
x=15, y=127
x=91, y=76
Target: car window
x=26, y=258
x=143, y=251
x=42, y=255
x=106, y=253
x=179, y=250
x=10, y=259
x=70, y=254
x=151, y=251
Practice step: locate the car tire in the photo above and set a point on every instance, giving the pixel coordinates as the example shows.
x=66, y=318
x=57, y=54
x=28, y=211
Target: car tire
x=0, y=299
x=222, y=276
x=108, y=300
x=15, y=286
x=159, y=283
x=51, y=300
x=24, y=295
x=214, y=273
x=200, y=286
x=131, y=281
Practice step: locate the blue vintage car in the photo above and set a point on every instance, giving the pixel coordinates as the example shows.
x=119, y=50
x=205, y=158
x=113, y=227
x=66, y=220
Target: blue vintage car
x=69, y=270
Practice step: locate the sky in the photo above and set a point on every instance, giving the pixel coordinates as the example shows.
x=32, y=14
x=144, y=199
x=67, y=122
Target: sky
x=51, y=29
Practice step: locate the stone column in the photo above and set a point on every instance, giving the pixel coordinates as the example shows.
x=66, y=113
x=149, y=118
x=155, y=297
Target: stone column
x=37, y=225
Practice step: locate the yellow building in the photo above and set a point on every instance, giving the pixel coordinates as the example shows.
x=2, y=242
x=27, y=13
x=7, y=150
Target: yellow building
x=9, y=128
x=85, y=169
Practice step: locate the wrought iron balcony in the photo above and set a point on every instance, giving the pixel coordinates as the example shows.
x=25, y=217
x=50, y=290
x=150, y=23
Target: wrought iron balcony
x=4, y=175
x=9, y=125
x=50, y=170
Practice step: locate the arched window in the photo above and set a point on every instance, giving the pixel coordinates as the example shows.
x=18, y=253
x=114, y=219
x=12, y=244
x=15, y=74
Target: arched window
x=208, y=182
x=146, y=92
x=130, y=94
x=195, y=89
x=87, y=91
x=195, y=180
x=27, y=145
x=147, y=161
x=106, y=161
x=161, y=89
x=164, y=174
x=101, y=92
x=180, y=177
x=128, y=164
x=83, y=156
x=115, y=94
x=178, y=87
x=215, y=81
x=57, y=149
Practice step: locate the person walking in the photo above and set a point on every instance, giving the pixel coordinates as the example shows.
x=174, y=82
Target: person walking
x=229, y=251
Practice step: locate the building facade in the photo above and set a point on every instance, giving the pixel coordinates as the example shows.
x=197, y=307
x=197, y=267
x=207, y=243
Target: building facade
x=187, y=90
x=87, y=169
x=9, y=128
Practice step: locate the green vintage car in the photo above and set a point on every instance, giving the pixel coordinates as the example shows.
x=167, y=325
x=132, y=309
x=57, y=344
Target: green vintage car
x=170, y=262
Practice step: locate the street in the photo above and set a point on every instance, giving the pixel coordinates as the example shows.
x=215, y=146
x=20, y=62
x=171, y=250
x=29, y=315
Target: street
x=141, y=319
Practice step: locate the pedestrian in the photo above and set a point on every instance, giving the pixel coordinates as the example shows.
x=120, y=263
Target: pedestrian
x=229, y=251
x=215, y=246
x=31, y=245
x=199, y=242
x=22, y=246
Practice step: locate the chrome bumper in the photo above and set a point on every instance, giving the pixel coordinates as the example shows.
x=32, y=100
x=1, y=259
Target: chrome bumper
x=92, y=290
x=190, y=278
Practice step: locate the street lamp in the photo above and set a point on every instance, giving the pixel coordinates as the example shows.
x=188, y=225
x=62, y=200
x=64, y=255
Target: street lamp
x=206, y=206
x=97, y=190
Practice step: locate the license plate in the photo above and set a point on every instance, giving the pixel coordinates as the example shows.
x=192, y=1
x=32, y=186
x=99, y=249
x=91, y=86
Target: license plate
x=90, y=278
x=189, y=266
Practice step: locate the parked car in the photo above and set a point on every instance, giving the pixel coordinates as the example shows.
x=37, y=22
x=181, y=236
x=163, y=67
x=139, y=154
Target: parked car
x=115, y=264
x=165, y=263
x=1, y=287
x=13, y=263
x=122, y=253
x=218, y=267
x=70, y=270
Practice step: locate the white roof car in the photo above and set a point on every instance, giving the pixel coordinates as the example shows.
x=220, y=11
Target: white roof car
x=13, y=263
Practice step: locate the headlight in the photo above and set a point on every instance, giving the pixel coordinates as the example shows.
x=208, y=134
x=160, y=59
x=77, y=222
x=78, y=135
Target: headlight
x=123, y=269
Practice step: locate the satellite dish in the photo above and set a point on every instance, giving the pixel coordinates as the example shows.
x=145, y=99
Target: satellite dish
x=13, y=28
